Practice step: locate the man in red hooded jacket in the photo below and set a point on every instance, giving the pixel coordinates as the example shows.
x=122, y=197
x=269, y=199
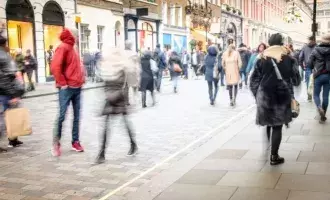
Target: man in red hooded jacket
x=69, y=76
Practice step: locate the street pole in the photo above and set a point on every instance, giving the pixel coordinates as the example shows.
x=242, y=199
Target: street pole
x=314, y=25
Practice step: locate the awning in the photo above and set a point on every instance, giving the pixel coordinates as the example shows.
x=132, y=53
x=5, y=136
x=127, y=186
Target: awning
x=209, y=36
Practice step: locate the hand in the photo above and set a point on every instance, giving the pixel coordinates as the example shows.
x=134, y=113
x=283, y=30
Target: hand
x=64, y=87
x=14, y=101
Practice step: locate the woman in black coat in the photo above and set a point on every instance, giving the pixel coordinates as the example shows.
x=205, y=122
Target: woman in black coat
x=273, y=96
x=147, y=78
x=175, y=60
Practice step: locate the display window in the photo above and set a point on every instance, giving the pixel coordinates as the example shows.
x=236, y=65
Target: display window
x=20, y=36
x=51, y=41
x=146, y=36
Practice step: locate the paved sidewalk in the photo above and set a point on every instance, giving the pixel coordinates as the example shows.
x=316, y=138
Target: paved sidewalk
x=234, y=165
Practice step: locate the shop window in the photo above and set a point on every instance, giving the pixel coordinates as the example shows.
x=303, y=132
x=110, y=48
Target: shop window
x=146, y=36
x=20, y=36
x=180, y=16
x=100, y=30
x=84, y=36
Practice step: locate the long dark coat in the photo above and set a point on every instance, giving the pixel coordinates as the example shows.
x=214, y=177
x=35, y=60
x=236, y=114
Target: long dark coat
x=147, y=79
x=273, y=98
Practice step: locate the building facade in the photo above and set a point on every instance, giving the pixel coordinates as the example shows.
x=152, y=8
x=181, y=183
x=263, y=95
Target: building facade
x=35, y=25
x=174, y=30
x=96, y=33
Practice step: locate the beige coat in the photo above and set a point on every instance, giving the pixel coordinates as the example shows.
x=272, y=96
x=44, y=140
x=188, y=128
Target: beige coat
x=232, y=64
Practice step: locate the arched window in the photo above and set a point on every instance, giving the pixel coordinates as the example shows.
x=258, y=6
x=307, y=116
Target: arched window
x=147, y=27
x=19, y=10
x=52, y=14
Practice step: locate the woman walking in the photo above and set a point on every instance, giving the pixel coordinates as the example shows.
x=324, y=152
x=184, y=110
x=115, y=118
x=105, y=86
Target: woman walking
x=231, y=63
x=272, y=88
x=114, y=73
x=175, y=67
x=255, y=57
x=319, y=63
x=147, y=78
x=212, y=60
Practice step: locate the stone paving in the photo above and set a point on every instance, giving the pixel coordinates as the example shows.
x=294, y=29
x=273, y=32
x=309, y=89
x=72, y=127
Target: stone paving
x=30, y=172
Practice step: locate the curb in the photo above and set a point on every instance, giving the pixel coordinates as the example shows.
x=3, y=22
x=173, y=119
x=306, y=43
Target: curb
x=53, y=93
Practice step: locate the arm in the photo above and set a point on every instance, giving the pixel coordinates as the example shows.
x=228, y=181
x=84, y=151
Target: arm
x=250, y=63
x=256, y=78
x=302, y=58
x=57, y=67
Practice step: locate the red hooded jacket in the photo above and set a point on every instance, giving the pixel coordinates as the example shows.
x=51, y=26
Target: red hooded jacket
x=66, y=66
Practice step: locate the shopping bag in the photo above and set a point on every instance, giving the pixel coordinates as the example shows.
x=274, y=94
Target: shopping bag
x=310, y=89
x=17, y=122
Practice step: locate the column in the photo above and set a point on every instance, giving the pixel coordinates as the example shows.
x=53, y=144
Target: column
x=39, y=45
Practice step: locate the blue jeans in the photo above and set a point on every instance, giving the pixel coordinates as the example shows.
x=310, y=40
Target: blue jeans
x=322, y=82
x=210, y=84
x=307, y=75
x=65, y=97
x=175, y=80
x=159, y=78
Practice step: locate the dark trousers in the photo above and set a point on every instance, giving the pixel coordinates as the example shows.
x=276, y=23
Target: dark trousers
x=322, y=83
x=185, y=70
x=29, y=76
x=275, y=137
x=213, y=95
x=232, y=91
x=222, y=77
x=144, y=97
x=65, y=97
x=106, y=130
x=159, y=78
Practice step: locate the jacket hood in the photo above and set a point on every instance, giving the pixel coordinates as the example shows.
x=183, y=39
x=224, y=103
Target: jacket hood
x=275, y=52
x=67, y=37
x=323, y=49
x=212, y=50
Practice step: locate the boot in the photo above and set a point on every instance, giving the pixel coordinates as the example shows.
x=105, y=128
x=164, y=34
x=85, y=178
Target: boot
x=276, y=160
x=100, y=158
x=144, y=99
x=133, y=150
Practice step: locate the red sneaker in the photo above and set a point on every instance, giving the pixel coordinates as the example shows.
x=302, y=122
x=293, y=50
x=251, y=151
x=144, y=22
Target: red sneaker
x=56, y=151
x=77, y=147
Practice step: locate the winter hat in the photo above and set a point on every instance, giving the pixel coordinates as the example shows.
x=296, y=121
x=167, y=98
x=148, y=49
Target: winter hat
x=275, y=39
x=325, y=38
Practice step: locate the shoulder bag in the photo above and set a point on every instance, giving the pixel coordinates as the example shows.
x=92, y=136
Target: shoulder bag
x=295, y=106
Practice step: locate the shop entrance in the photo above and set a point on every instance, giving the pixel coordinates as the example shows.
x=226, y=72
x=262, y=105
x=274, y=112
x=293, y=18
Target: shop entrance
x=53, y=23
x=146, y=36
x=20, y=18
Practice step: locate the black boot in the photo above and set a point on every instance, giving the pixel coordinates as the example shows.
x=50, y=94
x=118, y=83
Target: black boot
x=144, y=99
x=100, y=158
x=276, y=160
x=133, y=150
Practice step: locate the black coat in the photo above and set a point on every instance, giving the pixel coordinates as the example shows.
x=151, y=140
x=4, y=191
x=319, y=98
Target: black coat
x=174, y=59
x=9, y=85
x=32, y=63
x=147, y=79
x=273, y=98
x=317, y=59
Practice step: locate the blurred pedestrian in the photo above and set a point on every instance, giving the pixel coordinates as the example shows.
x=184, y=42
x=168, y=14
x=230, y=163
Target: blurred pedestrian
x=133, y=65
x=160, y=59
x=19, y=59
x=232, y=63
x=245, y=56
x=115, y=71
x=303, y=60
x=175, y=67
x=212, y=61
x=255, y=57
x=222, y=71
x=30, y=64
x=185, y=63
x=147, y=78
x=272, y=88
x=11, y=89
x=319, y=62
x=69, y=76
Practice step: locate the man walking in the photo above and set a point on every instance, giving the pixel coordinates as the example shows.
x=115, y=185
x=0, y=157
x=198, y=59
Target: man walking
x=69, y=76
x=160, y=59
x=303, y=60
x=185, y=61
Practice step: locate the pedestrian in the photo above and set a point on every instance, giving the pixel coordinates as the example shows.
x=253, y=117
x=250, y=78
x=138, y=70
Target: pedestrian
x=194, y=62
x=160, y=59
x=212, y=61
x=19, y=59
x=115, y=70
x=175, y=67
x=245, y=56
x=232, y=63
x=255, y=57
x=319, y=62
x=222, y=71
x=133, y=65
x=271, y=85
x=147, y=78
x=303, y=60
x=30, y=64
x=69, y=77
x=11, y=89
x=185, y=63
x=50, y=54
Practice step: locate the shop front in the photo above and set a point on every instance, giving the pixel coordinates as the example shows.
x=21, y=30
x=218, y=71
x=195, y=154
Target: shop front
x=174, y=38
x=35, y=25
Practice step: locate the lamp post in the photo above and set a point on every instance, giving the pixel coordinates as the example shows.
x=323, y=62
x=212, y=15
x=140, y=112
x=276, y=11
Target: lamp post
x=314, y=25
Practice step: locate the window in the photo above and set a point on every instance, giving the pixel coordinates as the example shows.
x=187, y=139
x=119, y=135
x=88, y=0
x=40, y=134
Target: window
x=165, y=10
x=180, y=16
x=328, y=24
x=84, y=35
x=100, y=37
x=327, y=12
x=173, y=15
